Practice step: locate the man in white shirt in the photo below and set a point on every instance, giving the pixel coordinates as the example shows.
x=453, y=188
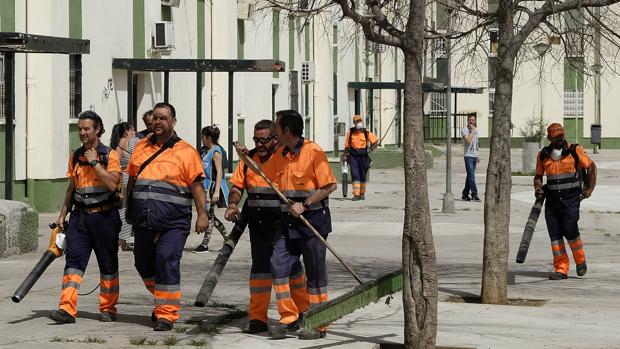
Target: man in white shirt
x=470, y=150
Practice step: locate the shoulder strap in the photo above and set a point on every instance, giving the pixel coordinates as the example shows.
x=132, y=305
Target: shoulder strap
x=351, y=130
x=169, y=144
x=245, y=166
x=366, y=137
x=573, y=152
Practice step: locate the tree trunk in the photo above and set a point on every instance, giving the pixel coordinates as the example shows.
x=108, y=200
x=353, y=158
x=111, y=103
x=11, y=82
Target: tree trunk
x=419, y=263
x=499, y=182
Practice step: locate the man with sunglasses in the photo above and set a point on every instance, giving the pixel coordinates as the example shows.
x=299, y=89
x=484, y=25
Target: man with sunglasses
x=571, y=177
x=263, y=212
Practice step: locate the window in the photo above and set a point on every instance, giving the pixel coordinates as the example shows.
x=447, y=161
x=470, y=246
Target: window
x=573, y=103
x=493, y=41
x=491, y=102
x=75, y=86
x=438, y=104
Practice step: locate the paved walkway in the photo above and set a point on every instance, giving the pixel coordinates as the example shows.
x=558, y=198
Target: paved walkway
x=577, y=313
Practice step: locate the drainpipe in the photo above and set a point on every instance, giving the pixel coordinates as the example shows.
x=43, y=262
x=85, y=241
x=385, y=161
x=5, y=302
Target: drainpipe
x=211, y=57
x=30, y=92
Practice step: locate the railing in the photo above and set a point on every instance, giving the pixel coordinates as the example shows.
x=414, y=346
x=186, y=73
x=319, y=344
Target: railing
x=435, y=126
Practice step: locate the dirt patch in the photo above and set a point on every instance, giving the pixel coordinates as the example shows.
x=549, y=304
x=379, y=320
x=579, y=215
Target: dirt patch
x=520, y=302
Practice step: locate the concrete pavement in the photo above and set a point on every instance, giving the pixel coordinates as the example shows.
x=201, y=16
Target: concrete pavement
x=577, y=313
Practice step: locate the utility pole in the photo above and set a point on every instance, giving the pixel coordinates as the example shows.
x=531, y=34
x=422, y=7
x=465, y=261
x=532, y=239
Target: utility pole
x=448, y=197
x=597, y=71
x=542, y=48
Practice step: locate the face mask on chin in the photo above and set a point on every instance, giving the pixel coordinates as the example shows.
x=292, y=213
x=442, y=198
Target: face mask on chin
x=556, y=154
x=359, y=126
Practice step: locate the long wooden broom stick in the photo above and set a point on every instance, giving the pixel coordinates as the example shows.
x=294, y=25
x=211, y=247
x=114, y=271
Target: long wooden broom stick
x=256, y=168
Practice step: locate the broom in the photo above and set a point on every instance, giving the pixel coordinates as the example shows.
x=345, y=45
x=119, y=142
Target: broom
x=347, y=303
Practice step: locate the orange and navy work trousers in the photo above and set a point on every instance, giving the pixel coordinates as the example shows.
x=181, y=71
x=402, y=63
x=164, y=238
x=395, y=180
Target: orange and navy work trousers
x=286, y=253
x=158, y=261
x=562, y=215
x=96, y=232
x=260, y=278
x=359, y=169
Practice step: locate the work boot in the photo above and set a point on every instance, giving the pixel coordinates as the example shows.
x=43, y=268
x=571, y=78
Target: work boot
x=465, y=198
x=356, y=198
x=280, y=330
x=362, y=197
x=163, y=325
x=582, y=268
x=153, y=317
x=62, y=317
x=255, y=326
x=201, y=249
x=476, y=199
x=557, y=276
x=306, y=334
x=107, y=317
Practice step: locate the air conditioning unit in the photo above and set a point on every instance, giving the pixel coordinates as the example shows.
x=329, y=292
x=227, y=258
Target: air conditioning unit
x=307, y=72
x=163, y=35
x=245, y=9
x=173, y=3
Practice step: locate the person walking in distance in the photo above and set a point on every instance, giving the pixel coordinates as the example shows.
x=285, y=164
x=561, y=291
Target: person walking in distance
x=571, y=177
x=123, y=140
x=216, y=185
x=470, y=149
x=165, y=174
x=94, y=173
x=358, y=144
x=147, y=118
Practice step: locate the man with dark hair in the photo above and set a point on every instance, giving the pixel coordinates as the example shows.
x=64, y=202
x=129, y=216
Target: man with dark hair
x=94, y=174
x=263, y=213
x=147, y=117
x=302, y=173
x=165, y=173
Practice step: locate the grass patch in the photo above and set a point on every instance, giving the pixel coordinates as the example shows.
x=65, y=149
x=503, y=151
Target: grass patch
x=60, y=339
x=171, y=340
x=93, y=339
x=181, y=329
x=198, y=342
x=151, y=342
x=137, y=340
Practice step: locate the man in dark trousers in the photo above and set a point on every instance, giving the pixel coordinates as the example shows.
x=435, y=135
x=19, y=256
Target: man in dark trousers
x=263, y=214
x=358, y=144
x=94, y=173
x=302, y=173
x=571, y=177
x=161, y=210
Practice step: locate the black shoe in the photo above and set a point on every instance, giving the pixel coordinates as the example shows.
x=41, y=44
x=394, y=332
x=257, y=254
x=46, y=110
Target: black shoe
x=557, y=276
x=582, y=268
x=293, y=326
x=62, y=317
x=107, y=317
x=255, y=326
x=306, y=334
x=356, y=198
x=201, y=249
x=476, y=199
x=465, y=198
x=163, y=325
x=278, y=331
x=362, y=197
x=153, y=317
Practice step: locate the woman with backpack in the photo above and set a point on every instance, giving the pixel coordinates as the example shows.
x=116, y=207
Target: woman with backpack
x=212, y=156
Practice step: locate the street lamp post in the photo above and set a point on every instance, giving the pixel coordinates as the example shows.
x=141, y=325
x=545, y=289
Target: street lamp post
x=448, y=197
x=542, y=49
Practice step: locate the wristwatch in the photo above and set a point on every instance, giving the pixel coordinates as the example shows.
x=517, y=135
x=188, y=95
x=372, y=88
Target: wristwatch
x=94, y=163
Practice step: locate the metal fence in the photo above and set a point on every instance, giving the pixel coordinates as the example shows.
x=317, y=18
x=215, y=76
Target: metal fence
x=435, y=127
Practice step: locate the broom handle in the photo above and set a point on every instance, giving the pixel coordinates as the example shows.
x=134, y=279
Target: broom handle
x=254, y=167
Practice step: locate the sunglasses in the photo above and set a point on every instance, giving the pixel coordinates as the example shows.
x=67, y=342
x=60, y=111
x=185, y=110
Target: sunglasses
x=263, y=140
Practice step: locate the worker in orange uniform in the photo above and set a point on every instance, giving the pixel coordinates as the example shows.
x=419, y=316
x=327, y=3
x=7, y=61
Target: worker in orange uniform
x=263, y=212
x=302, y=173
x=94, y=173
x=357, y=145
x=571, y=177
x=165, y=173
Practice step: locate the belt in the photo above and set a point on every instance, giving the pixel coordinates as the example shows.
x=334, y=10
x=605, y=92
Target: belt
x=97, y=209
